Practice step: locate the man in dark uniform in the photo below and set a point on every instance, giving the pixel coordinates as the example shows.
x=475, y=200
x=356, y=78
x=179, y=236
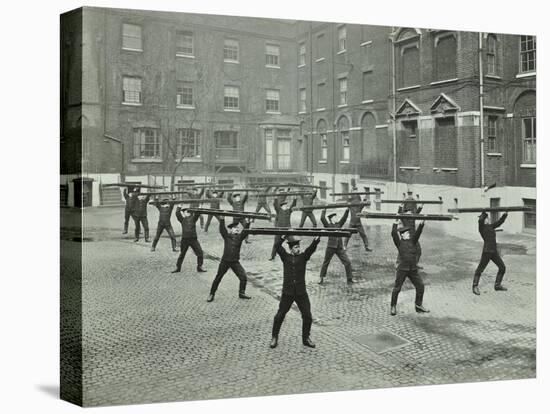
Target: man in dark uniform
x=355, y=220
x=410, y=206
x=197, y=193
x=130, y=205
x=238, y=204
x=490, y=251
x=213, y=204
x=335, y=246
x=282, y=219
x=165, y=213
x=307, y=200
x=189, y=238
x=294, y=287
x=232, y=241
x=262, y=202
x=140, y=216
x=406, y=241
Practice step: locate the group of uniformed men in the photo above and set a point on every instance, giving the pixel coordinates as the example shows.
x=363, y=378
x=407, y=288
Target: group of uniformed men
x=404, y=233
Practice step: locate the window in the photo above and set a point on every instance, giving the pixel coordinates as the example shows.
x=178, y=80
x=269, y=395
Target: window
x=272, y=100
x=283, y=149
x=302, y=107
x=445, y=57
x=529, y=129
x=345, y=146
x=367, y=85
x=445, y=145
x=410, y=62
x=146, y=143
x=131, y=37
x=320, y=95
x=272, y=55
x=324, y=146
x=320, y=46
x=491, y=55
x=528, y=50
x=268, y=149
x=378, y=198
x=226, y=139
x=323, y=185
x=342, y=38
x=227, y=149
x=231, y=98
x=343, y=83
x=530, y=217
x=366, y=54
x=231, y=50
x=494, y=203
x=184, y=43
x=189, y=143
x=407, y=150
x=184, y=95
x=492, y=124
x=302, y=54
x=131, y=90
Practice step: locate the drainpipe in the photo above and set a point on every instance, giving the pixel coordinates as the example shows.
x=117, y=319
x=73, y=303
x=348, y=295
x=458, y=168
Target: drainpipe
x=311, y=137
x=481, y=115
x=334, y=133
x=394, y=131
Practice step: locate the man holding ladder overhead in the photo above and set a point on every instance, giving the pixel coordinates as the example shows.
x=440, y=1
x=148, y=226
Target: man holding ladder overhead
x=355, y=220
x=335, y=246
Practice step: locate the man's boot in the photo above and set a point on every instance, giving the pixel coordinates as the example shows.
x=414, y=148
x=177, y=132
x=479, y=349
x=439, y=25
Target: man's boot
x=273, y=343
x=421, y=309
x=321, y=281
x=210, y=297
x=201, y=269
x=393, y=310
x=177, y=270
x=308, y=342
x=475, y=284
x=243, y=295
x=153, y=249
x=498, y=284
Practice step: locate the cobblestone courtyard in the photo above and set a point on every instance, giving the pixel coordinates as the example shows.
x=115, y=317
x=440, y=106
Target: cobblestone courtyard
x=150, y=336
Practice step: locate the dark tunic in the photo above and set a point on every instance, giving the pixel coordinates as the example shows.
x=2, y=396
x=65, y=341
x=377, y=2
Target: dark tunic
x=165, y=212
x=188, y=224
x=307, y=200
x=283, y=216
x=334, y=242
x=354, y=219
x=294, y=268
x=488, y=233
x=231, y=244
x=140, y=209
x=408, y=249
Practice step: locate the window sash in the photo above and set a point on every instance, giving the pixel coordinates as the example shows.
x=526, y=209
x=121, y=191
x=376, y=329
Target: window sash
x=146, y=143
x=320, y=95
x=302, y=55
x=185, y=43
x=231, y=50
x=131, y=90
x=188, y=143
x=131, y=37
x=226, y=139
x=268, y=149
x=342, y=34
x=272, y=55
x=324, y=146
x=527, y=53
x=303, y=100
x=272, y=100
x=343, y=91
x=345, y=145
x=184, y=95
x=231, y=97
x=529, y=140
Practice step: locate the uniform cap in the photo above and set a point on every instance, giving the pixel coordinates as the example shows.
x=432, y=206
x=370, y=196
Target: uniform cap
x=331, y=215
x=231, y=225
x=403, y=229
x=292, y=240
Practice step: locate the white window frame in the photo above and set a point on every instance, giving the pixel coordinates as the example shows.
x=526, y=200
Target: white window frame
x=321, y=95
x=190, y=134
x=139, y=152
x=530, y=142
x=272, y=55
x=346, y=145
x=492, y=57
x=180, y=93
x=230, y=96
x=524, y=52
x=186, y=34
x=231, y=47
x=132, y=81
x=324, y=146
x=302, y=54
x=492, y=133
x=272, y=101
x=268, y=135
x=343, y=88
x=342, y=39
x=126, y=35
x=302, y=100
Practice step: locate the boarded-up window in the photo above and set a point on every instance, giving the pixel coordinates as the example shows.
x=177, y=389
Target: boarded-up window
x=445, y=58
x=408, y=145
x=410, y=64
x=445, y=146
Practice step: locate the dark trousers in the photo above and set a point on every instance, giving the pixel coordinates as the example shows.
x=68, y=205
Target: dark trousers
x=168, y=227
x=416, y=280
x=208, y=221
x=284, y=306
x=265, y=206
x=185, y=244
x=310, y=216
x=484, y=261
x=222, y=270
x=362, y=234
x=276, y=240
x=342, y=255
x=127, y=215
x=138, y=221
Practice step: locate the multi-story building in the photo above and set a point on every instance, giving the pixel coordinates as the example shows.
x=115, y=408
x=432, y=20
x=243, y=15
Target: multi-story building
x=162, y=97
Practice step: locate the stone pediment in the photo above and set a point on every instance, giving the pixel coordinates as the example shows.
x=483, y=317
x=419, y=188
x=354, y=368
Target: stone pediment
x=407, y=109
x=443, y=104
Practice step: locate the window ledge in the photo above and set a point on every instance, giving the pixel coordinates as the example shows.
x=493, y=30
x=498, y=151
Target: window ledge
x=449, y=169
x=342, y=105
x=235, y=62
x=494, y=154
x=189, y=160
x=128, y=49
x=231, y=110
x=302, y=112
x=344, y=161
x=132, y=104
x=318, y=60
x=409, y=168
x=526, y=74
x=146, y=160
x=406, y=88
x=272, y=66
x=273, y=112
x=367, y=101
x=320, y=109
x=182, y=55
x=528, y=166
x=443, y=81
x=368, y=42
x=341, y=51
x=322, y=161
x=185, y=107
x=496, y=77
x=302, y=66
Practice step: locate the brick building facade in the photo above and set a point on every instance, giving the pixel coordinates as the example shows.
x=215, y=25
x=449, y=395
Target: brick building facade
x=174, y=96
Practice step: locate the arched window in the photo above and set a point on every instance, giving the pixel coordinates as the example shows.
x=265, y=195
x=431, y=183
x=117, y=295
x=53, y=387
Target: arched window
x=343, y=131
x=322, y=132
x=445, y=56
x=408, y=58
x=492, y=55
x=526, y=115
